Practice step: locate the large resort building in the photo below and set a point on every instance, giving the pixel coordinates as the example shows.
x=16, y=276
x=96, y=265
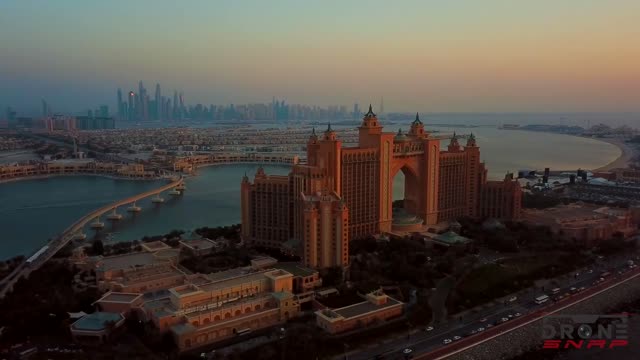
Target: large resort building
x=198, y=309
x=344, y=193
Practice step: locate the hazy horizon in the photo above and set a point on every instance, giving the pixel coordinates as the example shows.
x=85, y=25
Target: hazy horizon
x=426, y=56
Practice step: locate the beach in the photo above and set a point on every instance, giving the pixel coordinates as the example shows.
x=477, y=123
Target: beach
x=626, y=156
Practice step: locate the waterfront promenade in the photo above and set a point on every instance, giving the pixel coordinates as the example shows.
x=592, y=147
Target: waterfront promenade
x=41, y=256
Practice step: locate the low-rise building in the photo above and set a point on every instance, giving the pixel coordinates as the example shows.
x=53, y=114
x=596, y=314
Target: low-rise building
x=585, y=223
x=376, y=307
x=449, y=238
x=210, y=309
x=95, y=328
x=626, y=174
x=138, y=272
x=119, y=302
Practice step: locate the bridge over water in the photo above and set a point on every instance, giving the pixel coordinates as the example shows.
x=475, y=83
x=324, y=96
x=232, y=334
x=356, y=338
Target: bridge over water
x=45, y=253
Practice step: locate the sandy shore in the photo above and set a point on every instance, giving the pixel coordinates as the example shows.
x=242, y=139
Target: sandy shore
x=625, y=157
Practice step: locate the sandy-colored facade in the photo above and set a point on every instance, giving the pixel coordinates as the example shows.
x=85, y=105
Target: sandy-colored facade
x=199, y=309
x=501, y=199
x=375, y=308
x=586, y=224
x=440, y=185
x=189, y=163
x=211, y=308
x=62, y=167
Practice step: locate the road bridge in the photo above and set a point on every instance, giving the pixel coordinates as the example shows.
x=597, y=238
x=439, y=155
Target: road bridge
x=45, y=253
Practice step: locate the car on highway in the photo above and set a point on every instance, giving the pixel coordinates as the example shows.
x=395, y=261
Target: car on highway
x=480, y=329
x=504, y=319
x=513, y=298
x=472, y=332
x=455, y=338
x=407, y=351
x=483, y=320
x=446, y=341
x=590, y=271
x=517, y=314
x=428, y=328
x=489, y=325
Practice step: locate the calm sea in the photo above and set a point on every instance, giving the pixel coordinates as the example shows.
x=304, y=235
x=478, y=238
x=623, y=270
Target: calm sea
x=32, y=211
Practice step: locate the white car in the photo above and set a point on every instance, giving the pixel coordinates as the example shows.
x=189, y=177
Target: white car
x=447, y=341
x=480, y=329
x=504, y=319
x=483, y=320
x=513, y=298
x=456, y=338
x=517, y=314
x=590, y=271
x=488, y=325
x=407, y=351
x=428, y=328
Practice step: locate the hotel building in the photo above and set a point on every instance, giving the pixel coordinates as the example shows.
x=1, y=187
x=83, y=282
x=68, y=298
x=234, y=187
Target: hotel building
x=214, y=307
x=343, y=193
x=200, y=309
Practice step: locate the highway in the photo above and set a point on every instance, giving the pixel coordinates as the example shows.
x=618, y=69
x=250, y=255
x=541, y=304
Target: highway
x=430, y=344
x=67, y=235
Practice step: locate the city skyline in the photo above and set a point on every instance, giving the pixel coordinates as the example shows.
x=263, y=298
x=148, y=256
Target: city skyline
x=422, y=56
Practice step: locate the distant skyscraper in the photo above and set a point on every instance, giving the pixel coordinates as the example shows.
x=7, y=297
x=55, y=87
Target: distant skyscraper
x=104, y=111
x=142, y=103
x=158, y=97
x=121, y=113
x=175, y=104
x=145, y=107
x=46, y=110
x=11, y=114
x=131, y=106
x=182, y=108
x=381, y=106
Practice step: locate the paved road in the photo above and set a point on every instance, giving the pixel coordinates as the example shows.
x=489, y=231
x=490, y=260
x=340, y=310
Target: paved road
x=425, y=342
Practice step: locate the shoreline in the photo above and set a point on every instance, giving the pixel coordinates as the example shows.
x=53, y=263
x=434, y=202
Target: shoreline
x=627, y=154
x=48, y=176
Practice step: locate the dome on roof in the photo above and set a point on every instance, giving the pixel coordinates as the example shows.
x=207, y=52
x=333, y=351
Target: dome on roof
x=400, y=136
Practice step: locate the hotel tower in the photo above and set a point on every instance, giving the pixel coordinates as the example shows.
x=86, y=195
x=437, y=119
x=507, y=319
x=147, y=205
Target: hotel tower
x=345, y=193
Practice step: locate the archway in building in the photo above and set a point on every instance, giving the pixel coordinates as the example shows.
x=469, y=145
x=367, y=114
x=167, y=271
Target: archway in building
x=406, y=194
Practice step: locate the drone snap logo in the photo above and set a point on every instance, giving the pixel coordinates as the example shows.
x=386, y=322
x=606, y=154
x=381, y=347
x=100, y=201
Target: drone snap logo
x=585, y=331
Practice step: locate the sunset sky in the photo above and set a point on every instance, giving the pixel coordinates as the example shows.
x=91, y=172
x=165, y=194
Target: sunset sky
x=428, y=56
